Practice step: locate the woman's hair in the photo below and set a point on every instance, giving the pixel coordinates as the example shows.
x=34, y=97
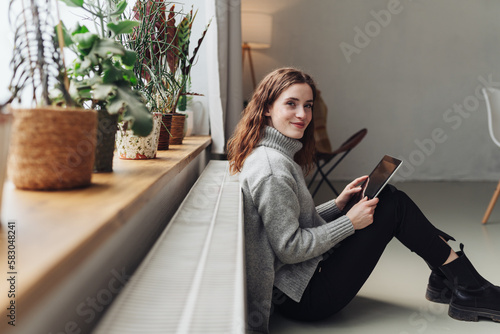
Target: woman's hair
x=248, y=132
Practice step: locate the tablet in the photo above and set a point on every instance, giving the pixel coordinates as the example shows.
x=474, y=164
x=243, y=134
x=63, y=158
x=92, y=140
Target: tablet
x=376, y=181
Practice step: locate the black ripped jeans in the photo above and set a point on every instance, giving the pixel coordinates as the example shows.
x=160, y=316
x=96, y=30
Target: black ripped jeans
x=343, y=271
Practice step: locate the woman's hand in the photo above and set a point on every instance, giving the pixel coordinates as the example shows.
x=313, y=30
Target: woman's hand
x=361, y=214
x=351, y=189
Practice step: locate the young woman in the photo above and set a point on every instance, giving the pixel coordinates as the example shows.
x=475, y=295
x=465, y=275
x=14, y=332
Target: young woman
x=309, y=262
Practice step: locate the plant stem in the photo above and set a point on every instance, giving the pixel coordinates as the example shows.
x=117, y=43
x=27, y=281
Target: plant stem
x=32, y=70
x=41, y=57
x=61, y=46
x=108, y=17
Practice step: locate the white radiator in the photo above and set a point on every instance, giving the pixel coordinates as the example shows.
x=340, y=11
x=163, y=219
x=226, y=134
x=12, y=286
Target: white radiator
x=192, y=280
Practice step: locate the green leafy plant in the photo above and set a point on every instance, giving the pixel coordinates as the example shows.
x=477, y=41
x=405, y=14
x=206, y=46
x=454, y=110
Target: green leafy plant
x=186, y=61
x=102, y=74
x=152, y=41
x=164, y=62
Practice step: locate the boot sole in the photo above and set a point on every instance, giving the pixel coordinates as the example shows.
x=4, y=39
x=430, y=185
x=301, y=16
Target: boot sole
x=472, y=314
x=436, y=296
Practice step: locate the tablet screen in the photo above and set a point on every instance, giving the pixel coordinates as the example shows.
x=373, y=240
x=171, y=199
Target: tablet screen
x=376, y=181
x=381, y=175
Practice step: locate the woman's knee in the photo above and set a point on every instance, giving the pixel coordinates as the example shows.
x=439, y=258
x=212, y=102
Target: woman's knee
x=390, y=191
x=388, y=210
x=393, y=201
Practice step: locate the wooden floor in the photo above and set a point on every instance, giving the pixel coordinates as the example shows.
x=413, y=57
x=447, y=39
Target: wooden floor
x=392, y=300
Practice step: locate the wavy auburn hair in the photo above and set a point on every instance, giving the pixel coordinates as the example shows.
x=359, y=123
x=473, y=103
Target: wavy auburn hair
x=249, y=130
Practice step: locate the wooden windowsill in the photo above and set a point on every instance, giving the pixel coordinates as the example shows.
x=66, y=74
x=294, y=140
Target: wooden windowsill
x=57, y=230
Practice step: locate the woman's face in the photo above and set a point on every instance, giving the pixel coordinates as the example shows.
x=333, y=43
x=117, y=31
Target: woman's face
x=291, y=113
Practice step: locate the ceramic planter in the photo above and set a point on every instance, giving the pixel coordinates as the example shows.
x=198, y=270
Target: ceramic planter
x=52, y=148
x=189, y=123
x=132, y=147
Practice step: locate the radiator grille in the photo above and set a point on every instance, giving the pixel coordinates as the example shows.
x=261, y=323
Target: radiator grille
x=192, y=281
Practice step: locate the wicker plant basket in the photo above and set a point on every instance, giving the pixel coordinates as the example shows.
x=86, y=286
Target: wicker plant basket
x=52, y=148
x=177, y=128
x=166, y=127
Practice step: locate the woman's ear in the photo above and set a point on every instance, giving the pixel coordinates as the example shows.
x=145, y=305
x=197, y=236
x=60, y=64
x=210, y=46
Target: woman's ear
x=268, y=111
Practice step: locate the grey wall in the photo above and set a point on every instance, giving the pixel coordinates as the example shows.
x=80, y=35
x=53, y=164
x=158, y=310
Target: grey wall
x=410, y=71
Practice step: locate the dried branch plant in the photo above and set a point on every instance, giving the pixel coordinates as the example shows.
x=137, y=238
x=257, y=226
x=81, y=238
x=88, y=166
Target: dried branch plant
x=36, y=59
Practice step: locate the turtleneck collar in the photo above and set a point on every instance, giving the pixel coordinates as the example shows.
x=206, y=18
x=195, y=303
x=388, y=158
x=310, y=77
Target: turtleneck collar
x=274, y=139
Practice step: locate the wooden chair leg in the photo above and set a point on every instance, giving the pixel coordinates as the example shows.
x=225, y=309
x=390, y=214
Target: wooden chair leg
x=492, y=204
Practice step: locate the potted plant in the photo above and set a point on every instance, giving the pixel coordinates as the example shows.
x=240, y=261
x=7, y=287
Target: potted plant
x=152, y=40
x=102, y=75
x=164, y=58
x=148, y=40
x=51, y=147
x=133, y=147
x=181, y=63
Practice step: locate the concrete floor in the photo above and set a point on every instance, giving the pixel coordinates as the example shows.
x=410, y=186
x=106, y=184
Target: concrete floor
x=392, y=300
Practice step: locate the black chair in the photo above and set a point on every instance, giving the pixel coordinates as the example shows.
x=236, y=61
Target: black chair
x=324, y=158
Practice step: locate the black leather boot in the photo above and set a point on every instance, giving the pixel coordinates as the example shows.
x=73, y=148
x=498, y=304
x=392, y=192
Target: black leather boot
x=438, y=288
x=472, y=296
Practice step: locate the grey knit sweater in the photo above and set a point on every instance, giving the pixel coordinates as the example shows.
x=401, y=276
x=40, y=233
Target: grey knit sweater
x=285, y=234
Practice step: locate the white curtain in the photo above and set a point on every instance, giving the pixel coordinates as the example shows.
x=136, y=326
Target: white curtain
x=225, y=96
